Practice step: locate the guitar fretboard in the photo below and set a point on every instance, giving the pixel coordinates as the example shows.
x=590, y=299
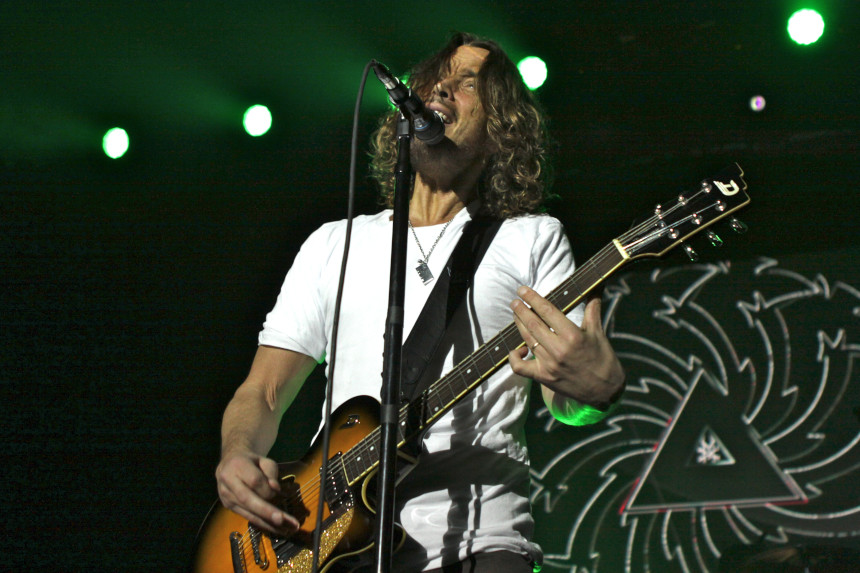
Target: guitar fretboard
x=443, y=394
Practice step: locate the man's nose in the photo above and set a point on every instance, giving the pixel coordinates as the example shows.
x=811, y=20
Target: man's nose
x=443, y=89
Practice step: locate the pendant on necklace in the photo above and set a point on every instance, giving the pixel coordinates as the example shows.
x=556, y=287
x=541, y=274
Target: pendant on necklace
x=424, y=272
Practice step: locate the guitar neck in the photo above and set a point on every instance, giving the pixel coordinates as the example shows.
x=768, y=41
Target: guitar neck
x=664, y=229
x=444, y=393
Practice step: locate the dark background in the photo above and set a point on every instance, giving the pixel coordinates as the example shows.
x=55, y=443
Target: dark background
x=133, y=290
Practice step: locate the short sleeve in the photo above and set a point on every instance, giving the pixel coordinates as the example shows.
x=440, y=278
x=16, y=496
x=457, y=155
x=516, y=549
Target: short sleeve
x=298, y=320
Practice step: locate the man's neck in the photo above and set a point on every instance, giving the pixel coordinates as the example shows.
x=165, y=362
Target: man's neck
x=433, y=205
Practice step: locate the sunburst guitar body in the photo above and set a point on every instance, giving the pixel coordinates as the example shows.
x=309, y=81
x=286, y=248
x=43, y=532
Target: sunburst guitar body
x=227, y=543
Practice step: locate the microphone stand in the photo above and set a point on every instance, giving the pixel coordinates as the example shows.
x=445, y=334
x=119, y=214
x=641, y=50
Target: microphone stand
x=390, y=394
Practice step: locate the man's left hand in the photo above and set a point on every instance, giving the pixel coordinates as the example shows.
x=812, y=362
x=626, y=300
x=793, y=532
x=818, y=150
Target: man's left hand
x=575, y=361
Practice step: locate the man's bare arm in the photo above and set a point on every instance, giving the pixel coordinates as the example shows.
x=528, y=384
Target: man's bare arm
x=247, y=479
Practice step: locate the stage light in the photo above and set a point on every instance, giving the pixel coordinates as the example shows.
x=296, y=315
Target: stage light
x=533, y=71
x=115, y=142
x=257, y=120
x=805, y=26
x=757, y=103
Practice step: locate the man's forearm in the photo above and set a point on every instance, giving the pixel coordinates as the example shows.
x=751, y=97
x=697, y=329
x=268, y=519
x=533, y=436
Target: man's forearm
x=253, y=417
x=249, y=423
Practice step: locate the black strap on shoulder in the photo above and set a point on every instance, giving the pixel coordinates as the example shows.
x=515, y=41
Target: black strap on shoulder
x=444, y=300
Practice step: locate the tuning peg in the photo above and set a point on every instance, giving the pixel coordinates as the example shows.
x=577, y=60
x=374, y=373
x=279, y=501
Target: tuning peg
x=715, y=239
x=691, y=253
x=738, y=226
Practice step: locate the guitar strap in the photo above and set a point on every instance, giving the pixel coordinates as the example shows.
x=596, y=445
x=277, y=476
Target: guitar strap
x=444, y=300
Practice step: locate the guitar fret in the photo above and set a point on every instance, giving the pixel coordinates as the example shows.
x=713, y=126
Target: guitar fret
x=568, y=292
x=497, y=349
x=354, y=463
x=502, y=346
x=590, y=275
x=512, y=337
x=350, y=465
x=369, y=455
x=349, y=468
x=447, y=385
x=372, y=448
x=402, y=426
x=464, y=377
x=363, y=455
x=438, y=395
x=434, y=403
x=468, y=374
x=483, y=362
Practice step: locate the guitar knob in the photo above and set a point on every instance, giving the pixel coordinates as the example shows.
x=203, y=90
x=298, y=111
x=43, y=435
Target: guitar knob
x=691, y=253
x=738, y=226
x=714, y=238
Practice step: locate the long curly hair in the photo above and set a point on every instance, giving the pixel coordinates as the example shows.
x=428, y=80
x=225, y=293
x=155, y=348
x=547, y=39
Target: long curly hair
x=516, y=177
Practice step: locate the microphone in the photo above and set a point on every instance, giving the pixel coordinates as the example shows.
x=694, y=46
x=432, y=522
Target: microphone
x=428, y=125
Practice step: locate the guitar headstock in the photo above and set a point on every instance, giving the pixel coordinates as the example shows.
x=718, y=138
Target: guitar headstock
x=691, y=212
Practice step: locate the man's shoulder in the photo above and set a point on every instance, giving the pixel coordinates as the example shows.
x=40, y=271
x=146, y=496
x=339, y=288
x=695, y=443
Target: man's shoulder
x=334, y=230
x=533, y=236
x=380, y=218
x=534, y=222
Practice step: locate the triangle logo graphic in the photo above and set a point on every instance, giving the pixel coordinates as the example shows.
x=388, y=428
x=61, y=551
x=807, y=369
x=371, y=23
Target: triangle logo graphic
x=720, y=462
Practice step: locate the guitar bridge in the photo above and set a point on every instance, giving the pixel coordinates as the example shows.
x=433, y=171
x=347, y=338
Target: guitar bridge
x=236, y=554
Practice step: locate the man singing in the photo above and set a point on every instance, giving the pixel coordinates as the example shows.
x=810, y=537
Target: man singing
x=465, y=506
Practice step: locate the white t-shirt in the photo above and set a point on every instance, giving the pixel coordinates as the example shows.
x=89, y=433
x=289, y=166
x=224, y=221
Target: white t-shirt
x=469, y=491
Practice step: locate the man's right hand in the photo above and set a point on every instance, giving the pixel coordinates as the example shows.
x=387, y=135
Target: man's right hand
x=247, y=485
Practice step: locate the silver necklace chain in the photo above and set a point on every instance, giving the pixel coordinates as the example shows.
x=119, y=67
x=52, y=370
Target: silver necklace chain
x=422, y=269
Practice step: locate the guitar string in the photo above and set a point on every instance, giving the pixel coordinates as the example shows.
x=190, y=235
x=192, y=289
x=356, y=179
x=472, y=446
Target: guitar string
x=246, y=549
x=309, y=491
x=364, y=447
x=592, y=264
x=502, y=337
x=655, y=220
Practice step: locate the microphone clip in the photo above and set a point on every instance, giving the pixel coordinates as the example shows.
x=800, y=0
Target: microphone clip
x=427, y=124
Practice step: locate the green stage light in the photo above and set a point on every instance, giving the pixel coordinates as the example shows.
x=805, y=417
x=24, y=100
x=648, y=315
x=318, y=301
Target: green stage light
x=115, y=142
x=805, y=27
x=533, y=71
x=257, y=120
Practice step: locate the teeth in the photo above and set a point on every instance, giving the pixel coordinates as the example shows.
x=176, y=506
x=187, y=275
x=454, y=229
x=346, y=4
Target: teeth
x=445, y=118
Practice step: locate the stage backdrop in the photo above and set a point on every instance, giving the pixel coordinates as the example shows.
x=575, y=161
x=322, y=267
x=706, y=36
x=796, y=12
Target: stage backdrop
x=740, y=425
x=132, y=291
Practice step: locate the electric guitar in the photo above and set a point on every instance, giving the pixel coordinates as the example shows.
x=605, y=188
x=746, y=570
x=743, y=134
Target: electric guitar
x=227, y=543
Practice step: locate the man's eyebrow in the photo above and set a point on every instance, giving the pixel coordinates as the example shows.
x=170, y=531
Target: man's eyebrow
x=467, y=73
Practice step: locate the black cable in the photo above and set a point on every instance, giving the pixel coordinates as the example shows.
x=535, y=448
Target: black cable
x=326, y=430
